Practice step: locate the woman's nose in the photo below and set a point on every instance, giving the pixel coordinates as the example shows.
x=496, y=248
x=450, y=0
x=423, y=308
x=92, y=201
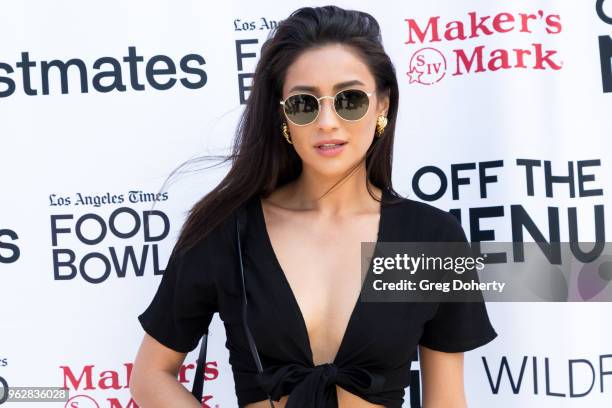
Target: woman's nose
x=327, y=115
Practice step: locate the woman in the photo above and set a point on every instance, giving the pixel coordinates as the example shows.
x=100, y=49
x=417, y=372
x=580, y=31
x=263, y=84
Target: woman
x=312, y=168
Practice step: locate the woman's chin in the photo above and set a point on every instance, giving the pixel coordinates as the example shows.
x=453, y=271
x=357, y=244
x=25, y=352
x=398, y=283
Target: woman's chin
x=331, y=169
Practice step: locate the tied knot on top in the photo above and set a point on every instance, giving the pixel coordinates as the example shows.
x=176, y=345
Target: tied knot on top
x=315, y=387
x=330, y=372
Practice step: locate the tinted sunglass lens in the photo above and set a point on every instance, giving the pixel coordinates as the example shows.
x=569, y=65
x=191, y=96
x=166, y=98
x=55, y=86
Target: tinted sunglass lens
x=352, y=104
x=301, y=109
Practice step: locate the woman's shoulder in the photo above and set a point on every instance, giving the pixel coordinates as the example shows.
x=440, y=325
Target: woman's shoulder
x=426, y=221
x=214, y=246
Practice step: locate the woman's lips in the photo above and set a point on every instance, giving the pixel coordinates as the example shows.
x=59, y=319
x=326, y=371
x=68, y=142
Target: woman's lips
x=331, y=150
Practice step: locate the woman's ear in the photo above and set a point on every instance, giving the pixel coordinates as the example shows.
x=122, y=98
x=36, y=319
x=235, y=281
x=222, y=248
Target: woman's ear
x=383, y=102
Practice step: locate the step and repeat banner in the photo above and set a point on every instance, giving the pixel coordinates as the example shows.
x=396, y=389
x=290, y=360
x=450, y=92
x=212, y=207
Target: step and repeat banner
x=504, y=119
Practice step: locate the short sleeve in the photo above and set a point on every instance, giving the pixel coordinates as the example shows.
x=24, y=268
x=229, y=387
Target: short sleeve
x=457, y=326
x=186, y=298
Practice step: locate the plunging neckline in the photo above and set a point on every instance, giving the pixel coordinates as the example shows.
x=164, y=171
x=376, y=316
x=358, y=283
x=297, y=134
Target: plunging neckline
x=291, y=294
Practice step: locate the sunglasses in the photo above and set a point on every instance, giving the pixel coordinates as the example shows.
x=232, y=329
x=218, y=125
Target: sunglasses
x=302, y=109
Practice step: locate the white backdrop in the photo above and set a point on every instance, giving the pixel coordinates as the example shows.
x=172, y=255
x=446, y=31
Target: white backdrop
x=87, y=153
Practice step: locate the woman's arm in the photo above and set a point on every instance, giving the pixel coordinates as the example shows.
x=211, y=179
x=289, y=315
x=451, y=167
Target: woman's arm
x=153, y=381
x=442, y=379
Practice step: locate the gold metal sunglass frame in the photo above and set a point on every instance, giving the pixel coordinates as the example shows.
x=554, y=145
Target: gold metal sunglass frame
x=333, y=98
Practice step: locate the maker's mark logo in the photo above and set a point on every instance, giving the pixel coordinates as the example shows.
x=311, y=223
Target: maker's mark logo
x=428, y=65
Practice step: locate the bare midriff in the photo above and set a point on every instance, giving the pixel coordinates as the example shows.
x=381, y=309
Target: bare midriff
x=345, y=400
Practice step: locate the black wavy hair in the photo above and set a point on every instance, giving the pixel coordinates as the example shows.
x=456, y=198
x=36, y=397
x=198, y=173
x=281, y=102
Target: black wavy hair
x=261, y=159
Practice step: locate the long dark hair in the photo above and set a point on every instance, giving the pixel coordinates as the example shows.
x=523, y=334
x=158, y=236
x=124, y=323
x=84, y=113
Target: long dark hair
x=262, y=160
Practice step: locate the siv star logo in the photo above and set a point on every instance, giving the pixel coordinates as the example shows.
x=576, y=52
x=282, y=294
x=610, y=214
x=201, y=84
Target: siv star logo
x=427, y=66
x=81, y=401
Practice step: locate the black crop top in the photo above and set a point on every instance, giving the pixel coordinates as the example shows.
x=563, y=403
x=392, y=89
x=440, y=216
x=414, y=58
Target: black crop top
x=375, y=354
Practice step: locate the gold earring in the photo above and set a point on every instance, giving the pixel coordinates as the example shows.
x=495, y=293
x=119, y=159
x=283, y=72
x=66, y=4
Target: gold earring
x=285, y=131
x=381, y=123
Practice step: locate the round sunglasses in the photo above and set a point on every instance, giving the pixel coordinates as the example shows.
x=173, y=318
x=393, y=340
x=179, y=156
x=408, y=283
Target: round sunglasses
x=350, y=104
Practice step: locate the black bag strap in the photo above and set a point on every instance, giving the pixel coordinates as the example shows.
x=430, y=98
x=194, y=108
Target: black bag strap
x=198, y=386
x=241, y=223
